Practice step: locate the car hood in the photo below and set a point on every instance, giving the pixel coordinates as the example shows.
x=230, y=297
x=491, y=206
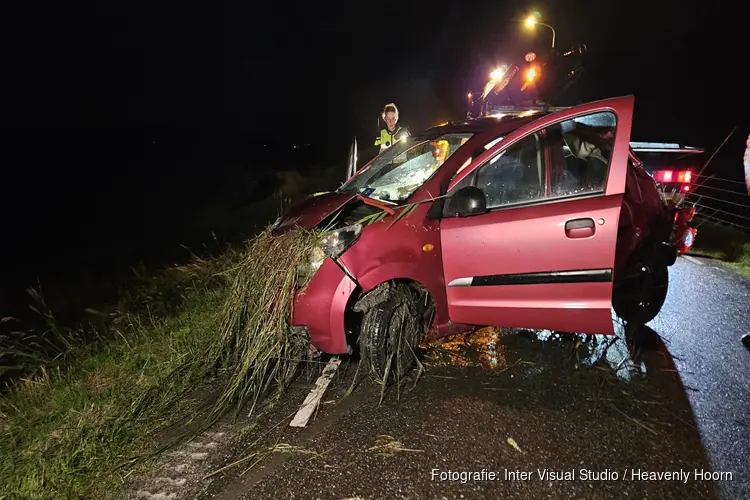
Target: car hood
x=310, y=212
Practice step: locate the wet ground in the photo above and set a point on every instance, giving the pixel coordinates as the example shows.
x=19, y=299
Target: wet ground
x=603, y=417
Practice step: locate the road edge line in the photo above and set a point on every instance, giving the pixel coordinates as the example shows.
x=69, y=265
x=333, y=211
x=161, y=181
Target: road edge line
x=316, y=394
x=693, y=260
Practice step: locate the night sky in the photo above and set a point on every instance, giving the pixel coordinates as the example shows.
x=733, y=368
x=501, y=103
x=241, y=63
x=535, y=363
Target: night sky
x=123, y=120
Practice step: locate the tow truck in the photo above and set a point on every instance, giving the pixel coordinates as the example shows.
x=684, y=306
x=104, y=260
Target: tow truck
x=673, y=166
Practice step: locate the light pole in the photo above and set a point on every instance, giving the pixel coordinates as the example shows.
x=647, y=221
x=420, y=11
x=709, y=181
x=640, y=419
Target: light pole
x=531, y=23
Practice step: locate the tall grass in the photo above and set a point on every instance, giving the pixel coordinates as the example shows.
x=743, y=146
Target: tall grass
x=99, y=401
x=25, y=349
x=724, y=242
x=65, y=432
x=72, y=431
x=255, y=341
x=86, y=409
x=254, y=347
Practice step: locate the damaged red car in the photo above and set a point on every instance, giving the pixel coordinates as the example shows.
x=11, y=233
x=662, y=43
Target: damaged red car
x=530, y=220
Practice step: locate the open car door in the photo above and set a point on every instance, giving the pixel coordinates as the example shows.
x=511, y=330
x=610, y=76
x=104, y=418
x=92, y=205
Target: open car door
x=542, y=255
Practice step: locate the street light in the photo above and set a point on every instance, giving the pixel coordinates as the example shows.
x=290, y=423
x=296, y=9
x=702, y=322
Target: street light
x=531, y=23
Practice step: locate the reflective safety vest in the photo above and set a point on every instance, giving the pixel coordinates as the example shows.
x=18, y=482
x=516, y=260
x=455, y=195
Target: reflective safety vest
x=385, y=140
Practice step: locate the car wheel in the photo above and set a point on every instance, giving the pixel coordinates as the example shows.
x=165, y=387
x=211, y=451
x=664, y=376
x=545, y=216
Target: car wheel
x=391, y=331
x=640, y=294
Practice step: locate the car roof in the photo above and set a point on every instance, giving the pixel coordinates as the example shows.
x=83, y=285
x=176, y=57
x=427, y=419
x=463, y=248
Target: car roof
x=476, y=125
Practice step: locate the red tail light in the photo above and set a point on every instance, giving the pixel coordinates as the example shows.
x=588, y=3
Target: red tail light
x=670, y=176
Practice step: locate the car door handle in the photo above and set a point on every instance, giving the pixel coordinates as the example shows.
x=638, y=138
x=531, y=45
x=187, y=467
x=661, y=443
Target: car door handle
x=580, y=228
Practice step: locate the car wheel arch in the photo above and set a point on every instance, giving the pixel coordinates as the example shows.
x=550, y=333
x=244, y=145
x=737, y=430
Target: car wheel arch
x=404, y=272
x=366, y=298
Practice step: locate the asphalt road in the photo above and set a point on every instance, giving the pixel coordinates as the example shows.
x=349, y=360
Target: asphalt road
x=612, y=415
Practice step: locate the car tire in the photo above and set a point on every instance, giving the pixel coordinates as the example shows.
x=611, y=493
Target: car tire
x=641, y=294
x=392, y=330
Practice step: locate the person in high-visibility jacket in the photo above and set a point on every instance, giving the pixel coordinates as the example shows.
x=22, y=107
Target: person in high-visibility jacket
x=392, y=131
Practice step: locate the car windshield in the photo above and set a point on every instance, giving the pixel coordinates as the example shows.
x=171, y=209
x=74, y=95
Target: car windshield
x=397, y=172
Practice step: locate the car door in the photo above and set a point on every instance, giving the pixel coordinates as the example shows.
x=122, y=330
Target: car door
x=542, y=255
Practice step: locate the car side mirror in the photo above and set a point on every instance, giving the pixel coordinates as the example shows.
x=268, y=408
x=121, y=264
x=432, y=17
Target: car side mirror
x=435, y=211
x=467, y=201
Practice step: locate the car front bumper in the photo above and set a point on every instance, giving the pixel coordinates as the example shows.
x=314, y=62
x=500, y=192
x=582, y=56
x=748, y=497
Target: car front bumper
x=320, y=307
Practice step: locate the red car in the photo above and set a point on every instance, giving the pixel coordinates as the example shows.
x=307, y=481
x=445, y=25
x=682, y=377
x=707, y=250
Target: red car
x=533, y=220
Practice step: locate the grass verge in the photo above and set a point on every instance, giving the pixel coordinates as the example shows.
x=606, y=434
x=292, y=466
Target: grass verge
x=729, y=245
x=95, y=411
x=65, y=433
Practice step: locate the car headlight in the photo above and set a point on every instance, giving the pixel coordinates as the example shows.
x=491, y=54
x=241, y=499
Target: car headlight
x=336, y=242
x=331, y=245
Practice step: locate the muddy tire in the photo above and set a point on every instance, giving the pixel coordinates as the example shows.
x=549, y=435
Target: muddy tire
x=640, y=294
x=392, y=330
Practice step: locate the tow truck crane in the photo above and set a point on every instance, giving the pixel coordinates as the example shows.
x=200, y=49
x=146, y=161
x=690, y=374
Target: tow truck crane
x=537, y=85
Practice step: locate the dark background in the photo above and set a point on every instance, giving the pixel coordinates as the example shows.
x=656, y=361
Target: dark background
x=129, y=129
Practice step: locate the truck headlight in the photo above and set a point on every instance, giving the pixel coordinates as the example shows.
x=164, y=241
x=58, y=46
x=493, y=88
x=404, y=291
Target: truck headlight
x=331, y=245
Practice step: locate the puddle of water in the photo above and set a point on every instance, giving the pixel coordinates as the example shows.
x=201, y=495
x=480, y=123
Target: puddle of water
x=608, y=350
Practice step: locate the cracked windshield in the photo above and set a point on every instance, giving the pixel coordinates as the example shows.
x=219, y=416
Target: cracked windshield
x=399, y=171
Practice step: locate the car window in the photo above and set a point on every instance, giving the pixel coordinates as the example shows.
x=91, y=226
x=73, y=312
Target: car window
x=569, y=158
x=580, y=151
x=515, y=175
x=396, y=173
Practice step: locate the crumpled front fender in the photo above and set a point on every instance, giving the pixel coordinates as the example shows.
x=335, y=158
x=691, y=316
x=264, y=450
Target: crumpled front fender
x=320, y=307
